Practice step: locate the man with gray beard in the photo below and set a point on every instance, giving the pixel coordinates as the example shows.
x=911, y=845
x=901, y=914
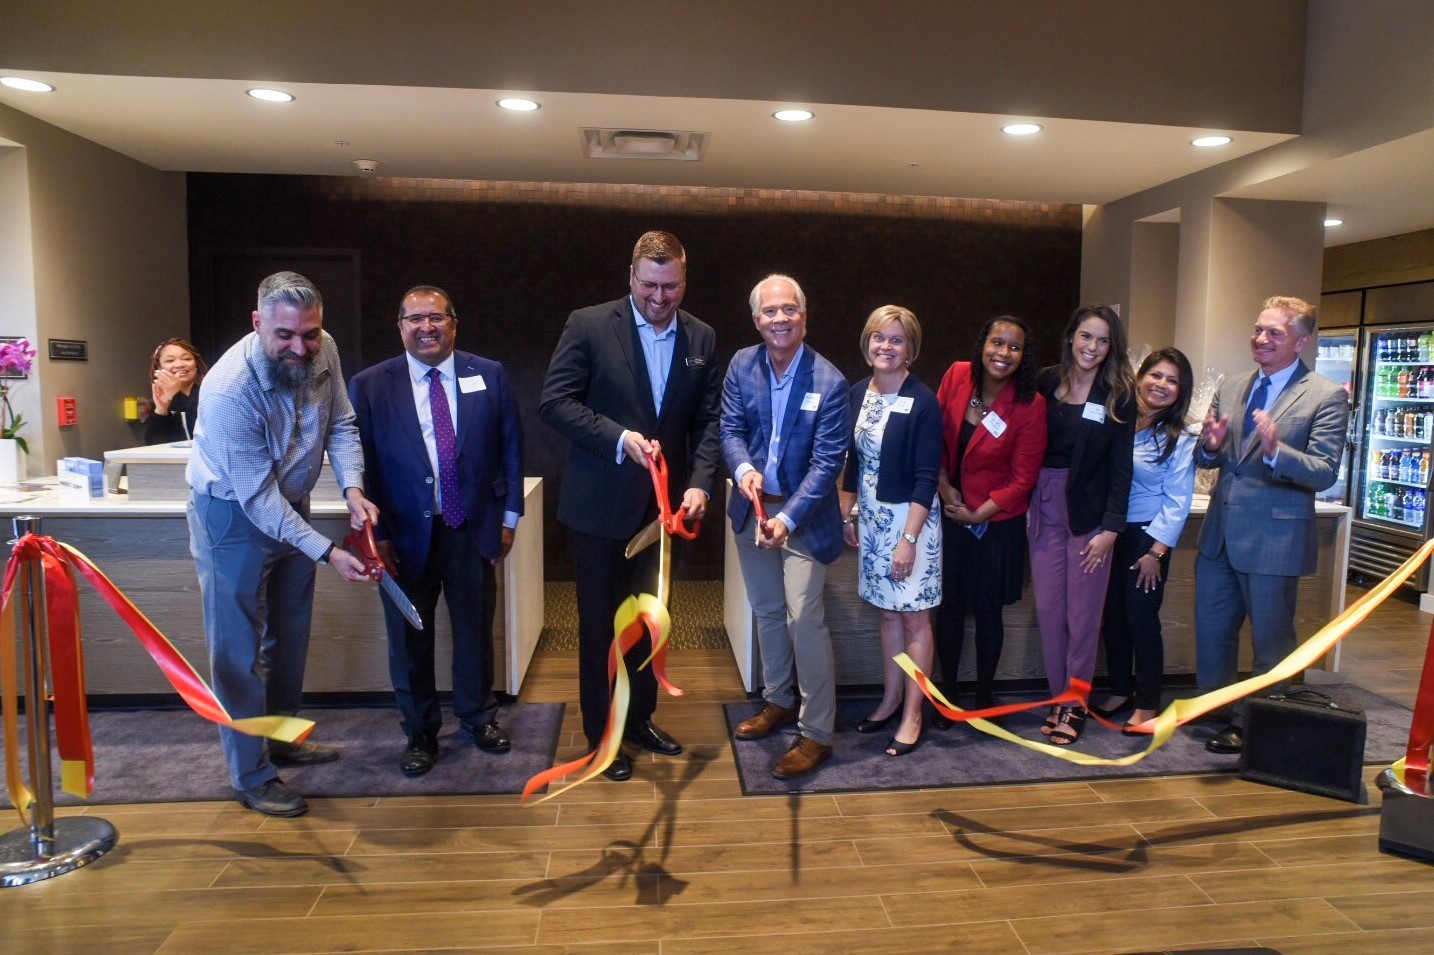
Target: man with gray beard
x=274, y=403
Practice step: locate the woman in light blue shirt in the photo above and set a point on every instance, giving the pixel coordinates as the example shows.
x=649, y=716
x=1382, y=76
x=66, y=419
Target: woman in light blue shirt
x=1161, y=487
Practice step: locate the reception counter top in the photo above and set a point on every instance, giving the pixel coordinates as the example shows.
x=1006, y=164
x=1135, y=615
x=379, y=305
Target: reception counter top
x=854, y=623
x=143, y=546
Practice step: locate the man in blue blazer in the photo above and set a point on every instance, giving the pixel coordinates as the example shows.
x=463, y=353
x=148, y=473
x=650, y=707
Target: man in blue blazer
x=785, y=431
x=443, y=452
x=629, y=376
x=1277, y=436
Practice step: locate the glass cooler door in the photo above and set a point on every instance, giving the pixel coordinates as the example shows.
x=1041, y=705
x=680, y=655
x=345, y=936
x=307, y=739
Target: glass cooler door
x=1397, y=435
x=1336, y=357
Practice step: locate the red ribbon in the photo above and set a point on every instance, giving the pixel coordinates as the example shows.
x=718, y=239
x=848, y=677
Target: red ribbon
x=1421, y=728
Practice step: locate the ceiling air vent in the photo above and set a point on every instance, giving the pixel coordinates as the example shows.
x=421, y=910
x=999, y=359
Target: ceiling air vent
x=643, y=144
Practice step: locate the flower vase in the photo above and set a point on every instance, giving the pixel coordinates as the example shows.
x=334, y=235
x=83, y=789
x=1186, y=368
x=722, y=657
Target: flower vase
x=12, y=463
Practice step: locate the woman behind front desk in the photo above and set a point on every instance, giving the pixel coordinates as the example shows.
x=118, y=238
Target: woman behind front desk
x=994, y=423
x=1081, y=499
x=175, y=373
x=1161, y=489
x=891, y=471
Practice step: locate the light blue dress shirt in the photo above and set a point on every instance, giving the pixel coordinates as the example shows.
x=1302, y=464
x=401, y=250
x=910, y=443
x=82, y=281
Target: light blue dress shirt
x=1277, y=384
x=1160, y=494
x=781, y=392
x=657, y=348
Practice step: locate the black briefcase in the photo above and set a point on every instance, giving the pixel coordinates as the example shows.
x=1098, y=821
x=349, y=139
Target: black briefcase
x=1306, y=741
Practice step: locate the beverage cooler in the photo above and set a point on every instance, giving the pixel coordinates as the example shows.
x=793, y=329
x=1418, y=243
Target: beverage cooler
x=1392, y=453
x=1336, y=357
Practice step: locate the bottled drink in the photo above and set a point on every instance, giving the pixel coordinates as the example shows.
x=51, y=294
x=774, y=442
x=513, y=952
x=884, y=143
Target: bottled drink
x=1424, y=469
x=1372, y=498
x=1426, y=346
x=1392, y=507
x=1381, y=349
x=1408, y=423
x=1404, y=382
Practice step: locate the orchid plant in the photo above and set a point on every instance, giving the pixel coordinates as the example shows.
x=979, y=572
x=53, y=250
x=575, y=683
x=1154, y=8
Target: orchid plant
x=17, y=357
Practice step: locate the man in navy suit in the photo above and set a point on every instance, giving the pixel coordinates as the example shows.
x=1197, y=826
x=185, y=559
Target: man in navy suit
x=785, y=430
x=443, y=451
x=628, y=377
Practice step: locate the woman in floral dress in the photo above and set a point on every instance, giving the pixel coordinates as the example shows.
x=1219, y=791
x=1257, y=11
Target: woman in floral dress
x=889, y=496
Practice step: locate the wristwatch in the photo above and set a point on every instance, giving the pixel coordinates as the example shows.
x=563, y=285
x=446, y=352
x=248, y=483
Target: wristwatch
x=908, y=538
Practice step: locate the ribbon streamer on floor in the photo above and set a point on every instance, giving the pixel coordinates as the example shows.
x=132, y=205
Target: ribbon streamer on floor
x=58, y=561
x=1180, y=712
x=643, y=613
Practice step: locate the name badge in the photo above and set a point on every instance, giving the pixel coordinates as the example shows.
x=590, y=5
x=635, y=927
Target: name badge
x=474, y=383
x=901, y=405
x=812, y=401
x=1093, y=412
x=993, y=423
x=696, y=361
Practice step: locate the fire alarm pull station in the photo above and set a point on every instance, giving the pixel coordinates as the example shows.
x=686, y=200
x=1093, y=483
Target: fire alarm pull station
x=65, y=409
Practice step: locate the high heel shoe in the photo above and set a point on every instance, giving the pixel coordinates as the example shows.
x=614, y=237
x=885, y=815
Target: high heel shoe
x=1070, y=727
x=1111, y=712
x=895, y=748
x=872, y=726
x=1053, y=719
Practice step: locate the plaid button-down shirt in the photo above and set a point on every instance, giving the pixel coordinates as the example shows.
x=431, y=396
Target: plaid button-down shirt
x=263, y=446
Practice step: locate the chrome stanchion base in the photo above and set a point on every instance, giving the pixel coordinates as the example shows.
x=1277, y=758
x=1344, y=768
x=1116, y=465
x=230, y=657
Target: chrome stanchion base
x=79, y=840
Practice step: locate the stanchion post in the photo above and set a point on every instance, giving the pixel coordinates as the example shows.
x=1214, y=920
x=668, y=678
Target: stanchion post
x=47, y=847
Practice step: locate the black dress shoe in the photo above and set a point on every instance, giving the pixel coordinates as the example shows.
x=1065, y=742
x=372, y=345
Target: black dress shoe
x=1229, y=741
x=621, y=769
x=300, y=754
x=652, y=738
x=419, y=757
x=1110, y=713
x=273, y=798
x=489, y=737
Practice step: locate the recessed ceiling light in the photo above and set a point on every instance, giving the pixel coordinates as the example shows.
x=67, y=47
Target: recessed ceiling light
x=1021, y=129
x=29, y=86
x=1333, y=222
x=1211, y=141
x=271, y=96
x=793, y=115
x=518, y=105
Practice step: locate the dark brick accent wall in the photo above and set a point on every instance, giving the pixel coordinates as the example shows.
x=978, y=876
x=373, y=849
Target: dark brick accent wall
x=518, y=257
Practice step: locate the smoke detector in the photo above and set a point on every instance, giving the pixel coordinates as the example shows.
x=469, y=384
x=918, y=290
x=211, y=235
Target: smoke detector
x=682, y=145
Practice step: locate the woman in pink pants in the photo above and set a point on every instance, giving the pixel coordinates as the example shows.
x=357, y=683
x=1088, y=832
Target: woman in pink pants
x=1079, y=505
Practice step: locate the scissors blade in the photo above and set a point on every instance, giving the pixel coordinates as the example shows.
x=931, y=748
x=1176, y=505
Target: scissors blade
x=644, y=539
x=400, y=600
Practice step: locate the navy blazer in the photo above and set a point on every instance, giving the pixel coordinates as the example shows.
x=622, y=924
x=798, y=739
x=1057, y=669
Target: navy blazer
x=813, y=446
x=397, y=475
x=1098, y=486
x=910, y=446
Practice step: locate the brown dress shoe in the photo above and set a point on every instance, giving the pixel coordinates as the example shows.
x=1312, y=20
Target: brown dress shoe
x=770, y=718
x=805, y=755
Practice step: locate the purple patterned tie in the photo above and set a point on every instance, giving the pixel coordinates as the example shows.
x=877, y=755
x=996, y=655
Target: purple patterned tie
x=453, y=512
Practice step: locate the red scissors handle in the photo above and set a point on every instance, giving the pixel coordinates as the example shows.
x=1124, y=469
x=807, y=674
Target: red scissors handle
x=361, y=544
x=673, y=523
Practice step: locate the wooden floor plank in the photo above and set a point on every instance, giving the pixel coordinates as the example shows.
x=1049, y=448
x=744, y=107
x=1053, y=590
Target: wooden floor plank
x=362, y=933
x=984, y=938
x=1020, y=902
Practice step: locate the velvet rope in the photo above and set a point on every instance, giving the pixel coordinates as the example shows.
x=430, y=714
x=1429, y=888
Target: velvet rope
x=57, y=562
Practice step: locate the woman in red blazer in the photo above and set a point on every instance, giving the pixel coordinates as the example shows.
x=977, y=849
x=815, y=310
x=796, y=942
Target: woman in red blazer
x=994, y=424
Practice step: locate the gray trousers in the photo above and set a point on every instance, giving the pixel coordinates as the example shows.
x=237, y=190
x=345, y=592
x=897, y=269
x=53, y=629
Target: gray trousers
x=784, y=588
x=1223, y=599
x=258, y=597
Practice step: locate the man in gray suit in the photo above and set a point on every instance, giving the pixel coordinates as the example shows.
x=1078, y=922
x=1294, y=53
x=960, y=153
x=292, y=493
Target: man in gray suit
x=1277, y=436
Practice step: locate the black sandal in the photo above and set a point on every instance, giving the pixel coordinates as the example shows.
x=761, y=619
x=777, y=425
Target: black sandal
x=1071, y=725
x=1053, y=719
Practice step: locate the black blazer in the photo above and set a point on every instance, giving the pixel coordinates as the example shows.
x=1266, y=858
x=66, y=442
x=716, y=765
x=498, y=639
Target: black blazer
x=910, y=446
x=1098, y=488
x=597, y=387
x=166, y=428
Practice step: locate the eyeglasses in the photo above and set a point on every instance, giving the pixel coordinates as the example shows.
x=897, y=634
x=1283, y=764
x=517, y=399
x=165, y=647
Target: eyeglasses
x=433, y=318
x=791, y=311
x=671, y=288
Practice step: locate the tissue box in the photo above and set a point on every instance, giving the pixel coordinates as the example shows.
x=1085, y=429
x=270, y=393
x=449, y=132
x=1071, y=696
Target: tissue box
x=82, y=477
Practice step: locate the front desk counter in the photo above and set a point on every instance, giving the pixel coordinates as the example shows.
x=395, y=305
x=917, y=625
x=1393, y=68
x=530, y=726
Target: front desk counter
x=143, y=546
x=854, y=624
